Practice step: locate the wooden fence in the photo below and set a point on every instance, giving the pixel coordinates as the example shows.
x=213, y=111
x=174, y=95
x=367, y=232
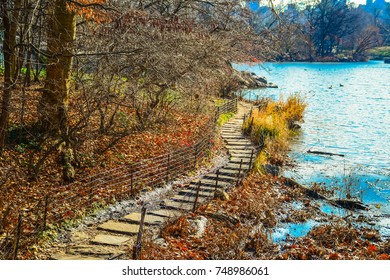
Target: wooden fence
x=74, y=200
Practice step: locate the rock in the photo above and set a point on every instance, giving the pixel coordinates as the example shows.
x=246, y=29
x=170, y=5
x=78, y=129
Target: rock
x=220, y=194
x=161, y=242
x=166, y=213
x=112, y=240
x=250, y=80
x=135, y=218
x=118, y=227
x=95, y=250
x=271, y=169
x=272, y=85
x=295, y=126
x=387, y=60
x=260, y=84
x=198, y=226
x=260, y=79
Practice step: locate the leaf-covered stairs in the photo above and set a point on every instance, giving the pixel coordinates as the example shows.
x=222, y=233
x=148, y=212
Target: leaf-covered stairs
x=114, y=238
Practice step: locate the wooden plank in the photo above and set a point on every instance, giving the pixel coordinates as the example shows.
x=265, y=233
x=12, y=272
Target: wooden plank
x=118, y=227
x=135, y=218
x=112, y=240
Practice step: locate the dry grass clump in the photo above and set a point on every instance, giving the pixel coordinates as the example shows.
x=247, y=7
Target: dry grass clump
x=331, y=236
x=272, y=125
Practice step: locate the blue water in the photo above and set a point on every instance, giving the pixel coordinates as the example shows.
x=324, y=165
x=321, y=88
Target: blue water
x=348, y=113
x=282, y=232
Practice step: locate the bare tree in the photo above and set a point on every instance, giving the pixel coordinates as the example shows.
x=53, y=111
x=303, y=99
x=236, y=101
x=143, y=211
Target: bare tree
x=10, y=11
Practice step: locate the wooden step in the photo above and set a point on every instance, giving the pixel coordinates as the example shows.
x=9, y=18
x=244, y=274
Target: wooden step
x=223, y=178
x=119, y=227
x=241, y=156
x=237, y=160
x=135, y=218
x=105, y=239
x=71, y=257
x=179, y=205
x=189, y=199
x=211, y=189
x=166, y=213
x=95, y=250
x=234, y=137
x=236, y=166
x=243, y=148
x=192, y=192
x=230, y=172
x=207, y=183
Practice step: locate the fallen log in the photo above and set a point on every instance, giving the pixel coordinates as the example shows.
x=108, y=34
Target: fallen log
x=324, y=153
x=309, y=192
x=349, y=204
x=343, y=203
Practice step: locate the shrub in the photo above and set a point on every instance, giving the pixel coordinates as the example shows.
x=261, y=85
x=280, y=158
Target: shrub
x=272, y=125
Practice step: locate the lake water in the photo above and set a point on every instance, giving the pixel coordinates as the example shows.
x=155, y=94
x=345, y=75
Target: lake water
x=348, y=113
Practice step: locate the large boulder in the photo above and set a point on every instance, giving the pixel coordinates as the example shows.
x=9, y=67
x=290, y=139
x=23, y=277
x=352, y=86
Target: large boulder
x=251, y=81
x=272, y=169
x=272, y=85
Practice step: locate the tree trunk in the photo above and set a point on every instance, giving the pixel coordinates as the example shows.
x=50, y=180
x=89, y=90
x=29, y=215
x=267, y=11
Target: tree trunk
x=10, y=22
x=61, y=36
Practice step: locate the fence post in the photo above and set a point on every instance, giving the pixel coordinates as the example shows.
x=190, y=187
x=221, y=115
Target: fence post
x=138, y=244
x=90, y=194
x=250, y=161
x=168, y=167
x=239, y=173
x=216, y=181
x=251, y=124
x=131, y=179
x=45, y=213
x=197, y=196
x=196, y=155
x=17, y=237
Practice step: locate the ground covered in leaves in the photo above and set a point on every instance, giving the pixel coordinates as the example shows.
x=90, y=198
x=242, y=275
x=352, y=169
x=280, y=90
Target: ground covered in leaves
x=98, y=152
x=243, y=226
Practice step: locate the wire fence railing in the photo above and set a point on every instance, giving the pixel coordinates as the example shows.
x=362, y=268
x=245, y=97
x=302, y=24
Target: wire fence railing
x=21, y=228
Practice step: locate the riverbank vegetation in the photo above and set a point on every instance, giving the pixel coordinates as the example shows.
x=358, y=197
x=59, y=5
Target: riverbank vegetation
x=272, y=125
x=246, y=226
x=380, y=53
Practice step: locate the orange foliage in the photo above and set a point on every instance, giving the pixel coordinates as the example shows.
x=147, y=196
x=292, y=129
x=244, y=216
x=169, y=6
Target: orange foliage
x=93, y=10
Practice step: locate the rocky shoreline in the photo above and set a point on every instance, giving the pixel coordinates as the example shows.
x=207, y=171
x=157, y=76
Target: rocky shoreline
x=249, y=80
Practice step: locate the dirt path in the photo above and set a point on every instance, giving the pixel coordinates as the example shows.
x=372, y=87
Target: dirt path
x=116, y=237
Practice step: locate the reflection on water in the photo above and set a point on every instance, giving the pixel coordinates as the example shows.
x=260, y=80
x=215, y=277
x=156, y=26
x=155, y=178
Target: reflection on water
x=348, y=113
